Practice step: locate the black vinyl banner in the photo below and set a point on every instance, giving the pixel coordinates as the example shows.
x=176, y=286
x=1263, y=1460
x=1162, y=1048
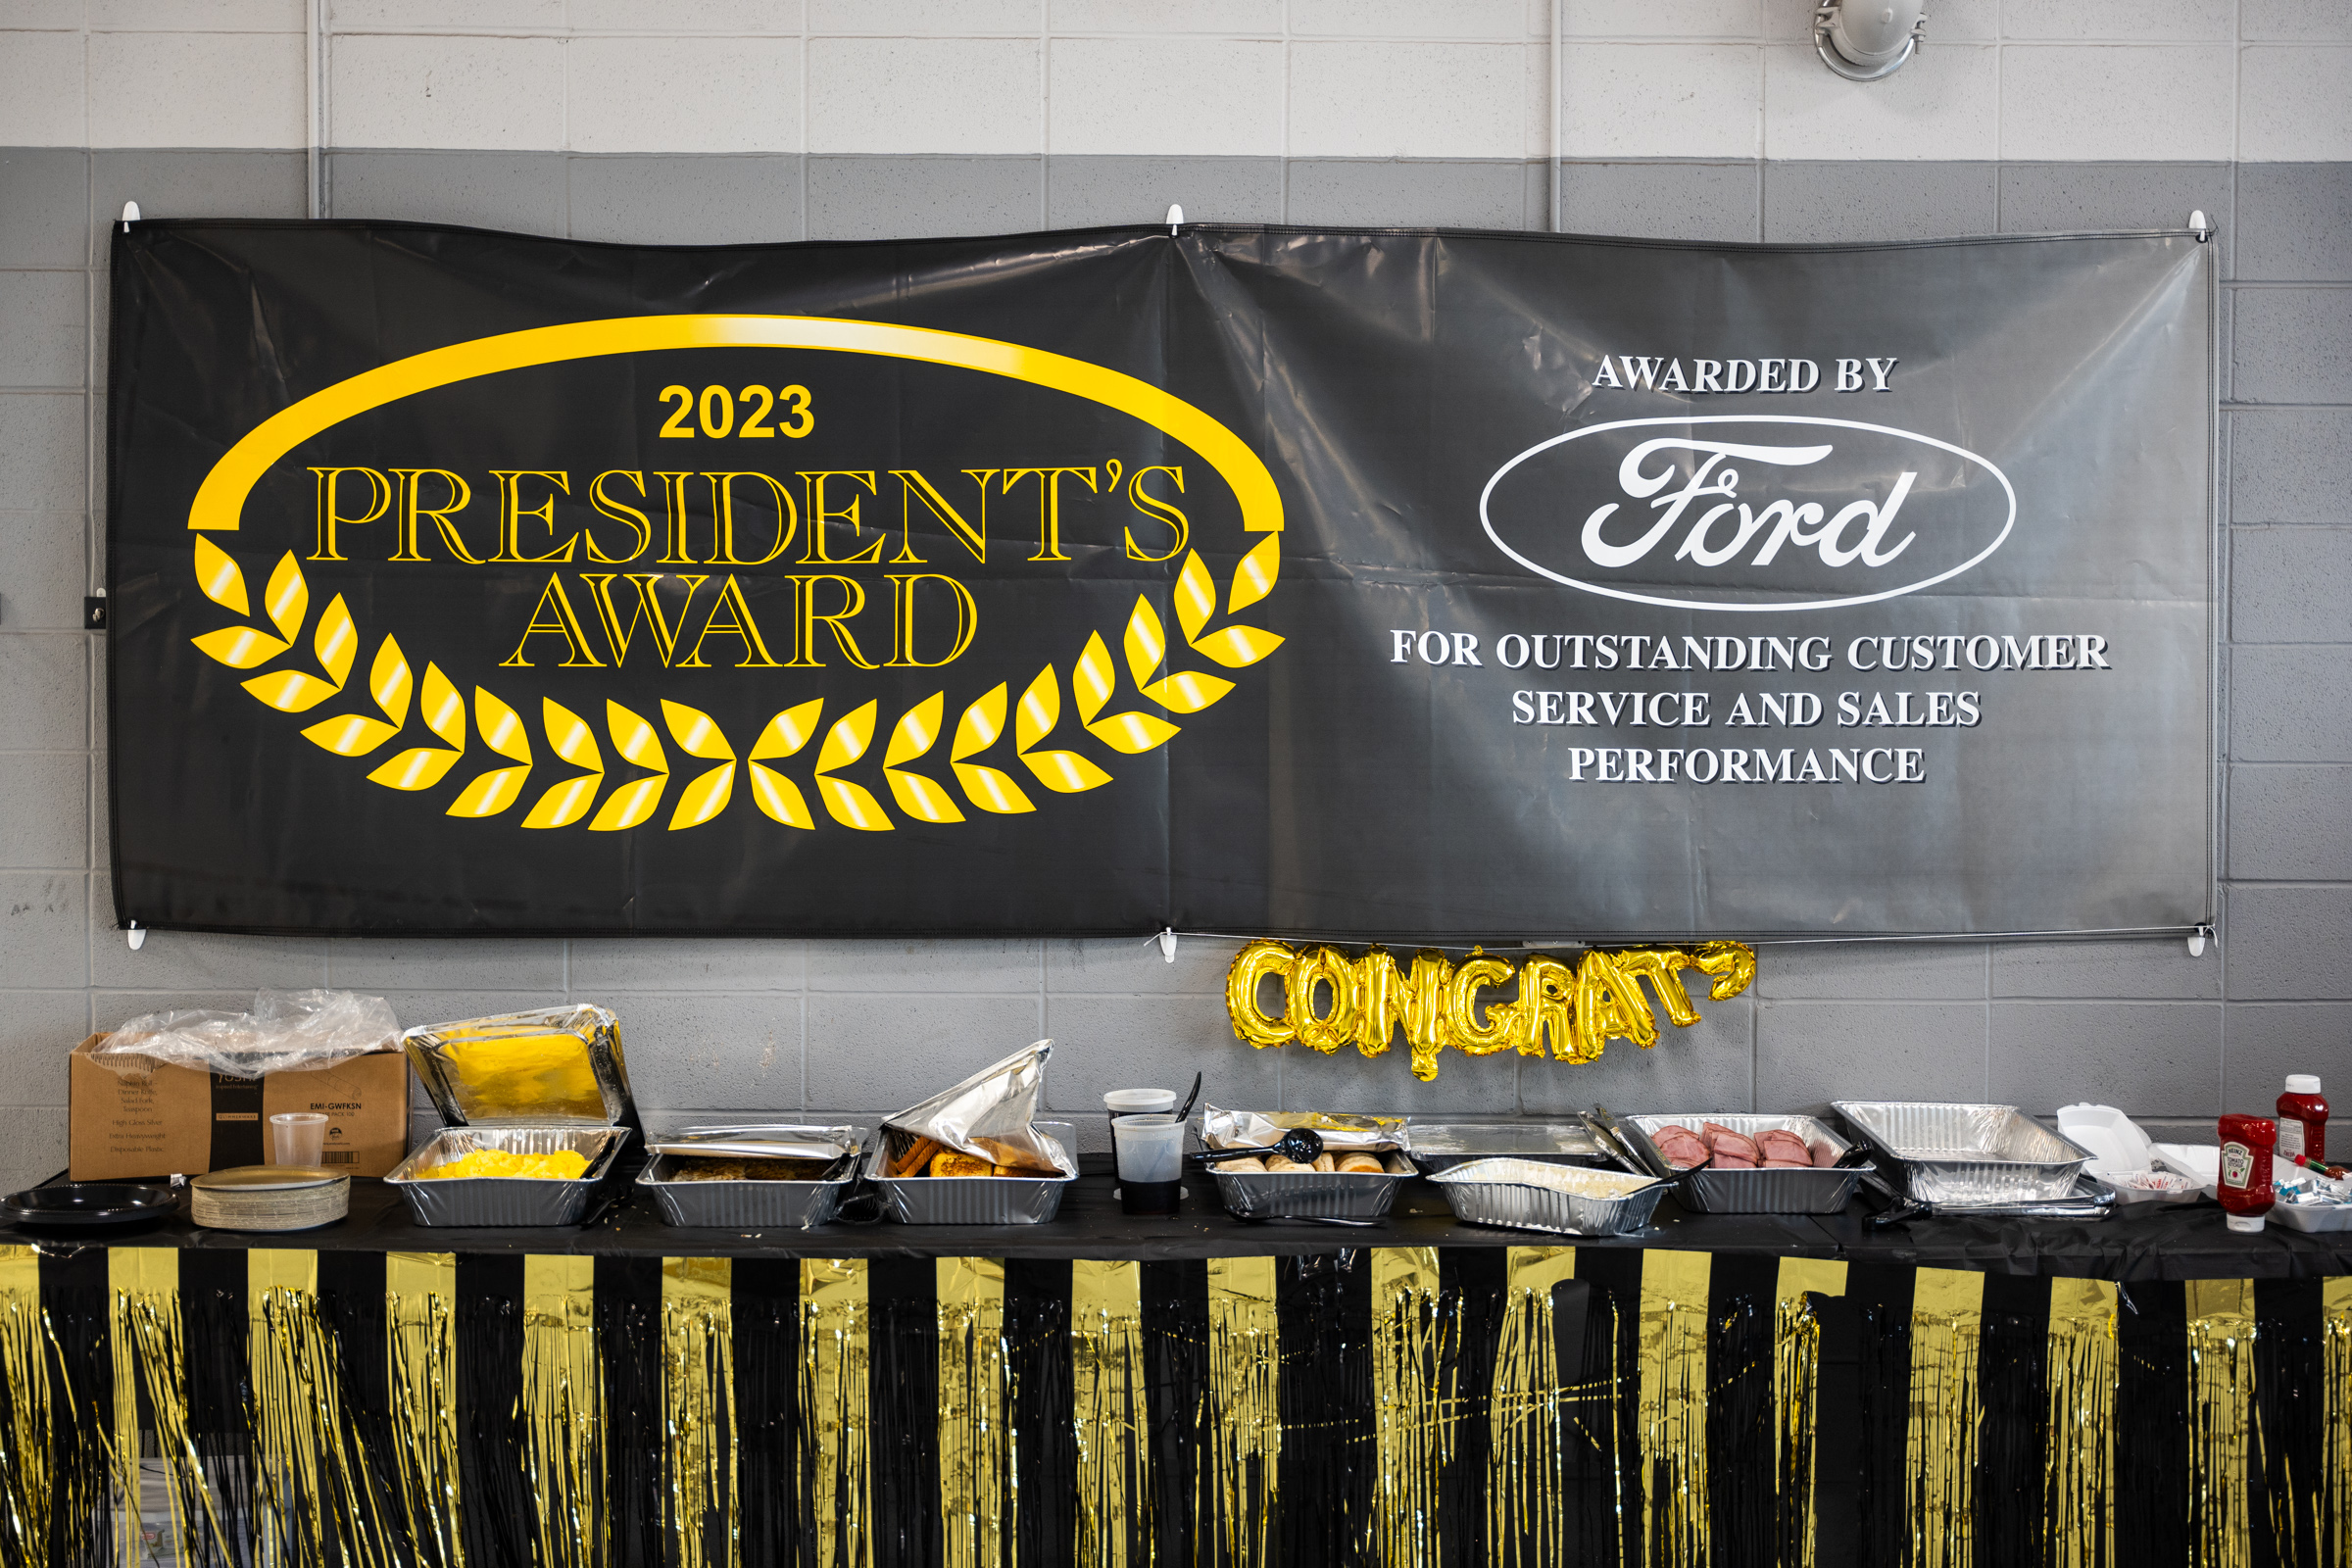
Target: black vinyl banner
x=1380, y=585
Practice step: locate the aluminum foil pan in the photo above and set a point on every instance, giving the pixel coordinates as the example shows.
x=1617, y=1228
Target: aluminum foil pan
x=1442, y=1145
x=742, y=1205
x=1969, y=1155
x=1322, y=1194
x=2088, y=1200
x=991, y=1114
x=1522, y=1195
x=1763, y=1192
x=976, y=1200
x=506, y=1200
x=549, y=1067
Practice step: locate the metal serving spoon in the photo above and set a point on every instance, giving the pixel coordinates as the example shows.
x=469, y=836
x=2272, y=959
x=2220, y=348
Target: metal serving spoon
x=1302, y=1145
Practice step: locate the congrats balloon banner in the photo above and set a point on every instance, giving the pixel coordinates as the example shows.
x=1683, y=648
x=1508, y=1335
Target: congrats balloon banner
x=1330, y=999
x=1395, y=586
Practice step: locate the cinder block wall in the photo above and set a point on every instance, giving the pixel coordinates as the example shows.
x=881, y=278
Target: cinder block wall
x=747, y=120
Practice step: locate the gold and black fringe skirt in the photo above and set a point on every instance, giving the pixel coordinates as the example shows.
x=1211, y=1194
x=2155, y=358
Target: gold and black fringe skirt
x=1406, y=1407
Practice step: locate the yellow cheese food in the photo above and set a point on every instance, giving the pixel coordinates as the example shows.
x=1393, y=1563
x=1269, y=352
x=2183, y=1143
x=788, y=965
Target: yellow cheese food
x=564, y=1165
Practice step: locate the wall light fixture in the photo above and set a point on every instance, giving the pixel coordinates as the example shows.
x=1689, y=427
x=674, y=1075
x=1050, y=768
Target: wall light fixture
x=1868, y=41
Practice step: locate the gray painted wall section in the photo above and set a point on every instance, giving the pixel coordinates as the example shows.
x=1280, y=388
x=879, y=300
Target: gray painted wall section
x=725, y=1025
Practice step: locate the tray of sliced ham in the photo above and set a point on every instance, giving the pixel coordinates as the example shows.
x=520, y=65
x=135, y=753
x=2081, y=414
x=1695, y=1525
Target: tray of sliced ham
x=1738, y=1163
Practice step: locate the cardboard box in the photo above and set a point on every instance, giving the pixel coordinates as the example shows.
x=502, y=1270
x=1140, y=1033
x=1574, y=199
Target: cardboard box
x=181, y=1121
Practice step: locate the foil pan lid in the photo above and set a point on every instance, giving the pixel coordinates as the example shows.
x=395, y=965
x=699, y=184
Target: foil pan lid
x=559, y=1066
x=771, y=1140
x=1343, y=1132
x=1503, y=1138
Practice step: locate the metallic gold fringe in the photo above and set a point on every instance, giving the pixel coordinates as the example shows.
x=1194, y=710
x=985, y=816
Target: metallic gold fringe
x=1415, y=1407
x=1940, y=1457
x=2336, y=1412
x=421, y=1355
x=2221, y=1417
x=28, y=1467
x=1240, y=1475
x=563, y=1411
x=1528, y=1510
x=2084, y=1364
x=1795, y=1394
x=834, y=1405
x=1672, y=1415
x=315, y=1506
x=1106, y=1380
x=698, y=1403
x=976, y=1499
x=148, y=1342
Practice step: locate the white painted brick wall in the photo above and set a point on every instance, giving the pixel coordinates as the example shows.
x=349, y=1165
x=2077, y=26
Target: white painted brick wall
x=1171, y=96
x=2031, y=80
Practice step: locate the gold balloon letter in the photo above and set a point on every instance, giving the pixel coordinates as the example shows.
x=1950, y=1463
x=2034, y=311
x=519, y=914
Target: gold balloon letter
x=1470, y=1036
x=1731, y=964
x=1659, y=966
x=1387, y=997
x=1608, y=1002
x=1253, y=964
x=1546, y=1006
x=1337, y=1027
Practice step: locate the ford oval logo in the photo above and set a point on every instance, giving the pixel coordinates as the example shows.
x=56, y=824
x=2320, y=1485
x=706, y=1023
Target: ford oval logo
x=1747, y=511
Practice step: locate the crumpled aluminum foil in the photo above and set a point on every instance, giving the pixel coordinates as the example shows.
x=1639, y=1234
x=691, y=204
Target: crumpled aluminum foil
x=989, y=1114
x=557, y=1066
x=1343, y=1133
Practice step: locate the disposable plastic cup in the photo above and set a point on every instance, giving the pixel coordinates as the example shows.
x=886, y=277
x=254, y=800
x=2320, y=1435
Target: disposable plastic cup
x=1151, y=1159
x=297, y=1138
x=1134, y=1102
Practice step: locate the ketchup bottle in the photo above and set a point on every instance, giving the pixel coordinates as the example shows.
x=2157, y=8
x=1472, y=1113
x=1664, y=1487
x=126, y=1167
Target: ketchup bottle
x=2303, y=1118
x=2245, y=1189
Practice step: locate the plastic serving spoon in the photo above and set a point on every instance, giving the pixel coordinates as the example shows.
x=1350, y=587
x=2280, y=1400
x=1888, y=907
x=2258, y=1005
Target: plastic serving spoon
x=1186, y=1109
x=1300, y=1144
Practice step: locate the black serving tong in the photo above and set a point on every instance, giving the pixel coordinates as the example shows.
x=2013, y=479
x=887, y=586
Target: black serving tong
x=1900, y=1208
x=1302, y=1145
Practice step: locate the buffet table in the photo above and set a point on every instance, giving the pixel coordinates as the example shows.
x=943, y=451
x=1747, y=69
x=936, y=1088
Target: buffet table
x=1108, y=1389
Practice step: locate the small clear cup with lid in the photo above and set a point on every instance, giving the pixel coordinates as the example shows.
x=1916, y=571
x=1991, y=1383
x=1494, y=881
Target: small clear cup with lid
x=1136, y=1102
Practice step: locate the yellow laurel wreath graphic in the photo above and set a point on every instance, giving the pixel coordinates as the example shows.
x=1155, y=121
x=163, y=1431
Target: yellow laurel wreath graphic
x=572, y=741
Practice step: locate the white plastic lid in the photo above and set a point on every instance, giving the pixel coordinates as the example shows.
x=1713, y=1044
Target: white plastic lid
x=2302, y=1083
x=2246, y=1222
x=1132, y=1099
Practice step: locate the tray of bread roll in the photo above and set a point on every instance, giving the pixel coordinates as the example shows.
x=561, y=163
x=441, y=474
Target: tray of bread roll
x=924, y=1183
x=1355, y=1178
